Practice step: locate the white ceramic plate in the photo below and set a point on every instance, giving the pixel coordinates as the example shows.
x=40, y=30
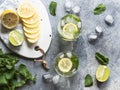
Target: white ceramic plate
x=27, y=50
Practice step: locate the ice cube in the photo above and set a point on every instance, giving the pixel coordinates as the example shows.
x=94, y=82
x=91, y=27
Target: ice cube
x=62, y=23
x=76, y=10
x=109, y=19
x=92, y=37
x=99, y=30
x=68, y=6
x=56, y=79
x=79, y=24
x=47, y=77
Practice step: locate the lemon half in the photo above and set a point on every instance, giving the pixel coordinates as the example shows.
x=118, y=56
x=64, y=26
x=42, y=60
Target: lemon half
x=9, y=19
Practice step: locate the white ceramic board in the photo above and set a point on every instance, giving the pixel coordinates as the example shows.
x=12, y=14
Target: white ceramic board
x=27, y=50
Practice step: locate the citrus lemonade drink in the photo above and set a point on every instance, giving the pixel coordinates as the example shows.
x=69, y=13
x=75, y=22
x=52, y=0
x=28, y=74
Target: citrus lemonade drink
x=69, y=27
x=66, y=64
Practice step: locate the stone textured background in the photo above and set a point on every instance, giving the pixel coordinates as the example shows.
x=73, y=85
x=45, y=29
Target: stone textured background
x=108, y=44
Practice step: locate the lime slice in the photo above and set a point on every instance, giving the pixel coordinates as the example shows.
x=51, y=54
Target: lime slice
x=69, y=30
x=102, y=73
x=9, y=19
x=16, y=38
x=65, y=65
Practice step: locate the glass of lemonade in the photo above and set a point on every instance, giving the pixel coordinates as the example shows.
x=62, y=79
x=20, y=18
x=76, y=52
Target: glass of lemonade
x=69, y=27
x=66, y=64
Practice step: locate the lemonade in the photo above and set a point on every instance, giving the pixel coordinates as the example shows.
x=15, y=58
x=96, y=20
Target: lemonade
x=69, y=27
x=66, y=64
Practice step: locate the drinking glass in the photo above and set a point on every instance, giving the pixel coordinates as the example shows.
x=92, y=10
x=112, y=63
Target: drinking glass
x=66, y=64
x=69, y=27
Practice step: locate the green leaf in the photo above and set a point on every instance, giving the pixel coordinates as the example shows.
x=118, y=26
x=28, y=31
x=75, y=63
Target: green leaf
x=99, y=9
x=16, y=83
x=1, y=52
x=25, y=73
x=10, y=77
x=3, y=80
x=88, y=80
x=101, y=58
x=10, y=74
x=52, y=8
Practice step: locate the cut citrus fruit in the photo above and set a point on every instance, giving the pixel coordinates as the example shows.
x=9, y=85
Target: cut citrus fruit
x=32, y=25
x=34, y=40
x=69, y=30
x=32, y=36
x=32, y=20
x=65, y=65
x=31, y=30
x=102, y=73
x=9, y=19
x=16, y=38
x=26, y=10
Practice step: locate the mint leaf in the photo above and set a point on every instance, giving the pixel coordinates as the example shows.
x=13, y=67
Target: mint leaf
x=3, y=80
x=10, y=77
x=1, y=52
x=9, y=74
x=17, y=83
x=101, y=58
x=52, y=8
x=88, y=80
x=99, y=9
x=25, y=73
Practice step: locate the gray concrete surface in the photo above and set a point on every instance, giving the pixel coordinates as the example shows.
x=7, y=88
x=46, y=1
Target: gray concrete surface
x=108, y=44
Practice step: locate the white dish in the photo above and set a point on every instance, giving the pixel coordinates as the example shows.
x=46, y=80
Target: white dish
x=27, y=50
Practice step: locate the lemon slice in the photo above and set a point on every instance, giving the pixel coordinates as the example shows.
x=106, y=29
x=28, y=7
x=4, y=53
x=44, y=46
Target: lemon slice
x=9, y=19
x=26, y=10
x=32, y=25
x=102, y=73
x=16, y=38
x=34, y=40
x=69, y=30
x=32, y=20
x=31, y=30
x=65, y=65
x=32, y=36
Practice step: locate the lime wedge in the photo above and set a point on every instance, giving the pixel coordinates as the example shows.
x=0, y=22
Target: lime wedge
x=16, y=38
x=65, y=65
x=102, y=73
x=69, y=30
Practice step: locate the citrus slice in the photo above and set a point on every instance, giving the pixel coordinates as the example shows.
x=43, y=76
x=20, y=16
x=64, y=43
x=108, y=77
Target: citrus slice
x=16, y=38
x=69, y=30
x=34, y=40
x=32, y=25
x=32, y=36
x=9, y=19
x=65, y=65
x=31, y=30
x=26, y=10
x=32, y=20
x=102, y=73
